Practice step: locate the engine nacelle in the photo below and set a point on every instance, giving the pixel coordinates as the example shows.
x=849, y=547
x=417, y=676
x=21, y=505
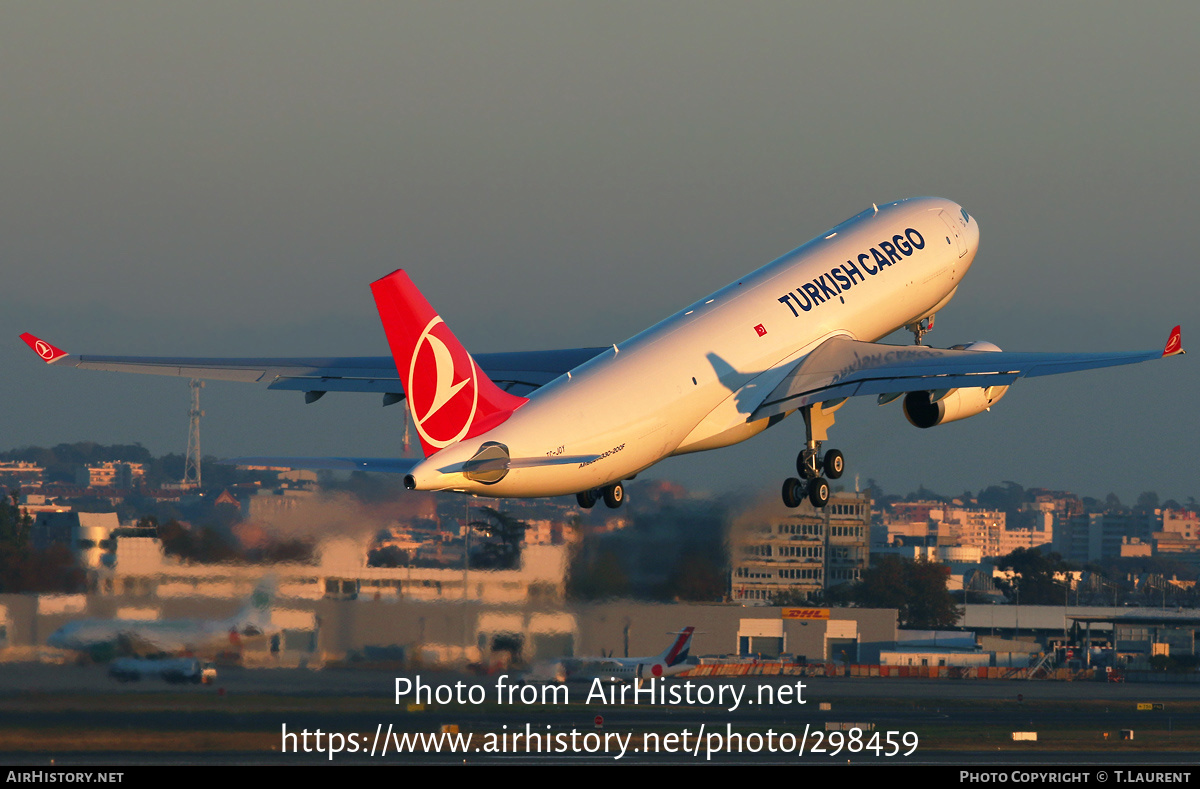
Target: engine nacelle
x=923, y=411
x=926, y=409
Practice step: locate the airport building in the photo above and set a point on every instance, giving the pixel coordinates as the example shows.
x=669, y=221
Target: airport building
x=318, y=629
x=340, y=572
x=370, y=630
x=88, y=535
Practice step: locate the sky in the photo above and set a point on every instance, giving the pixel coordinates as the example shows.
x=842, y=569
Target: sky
x=227, y=178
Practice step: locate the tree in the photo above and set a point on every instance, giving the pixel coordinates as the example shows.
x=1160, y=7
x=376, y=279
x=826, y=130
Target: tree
x=15, y=526
x=917, y=590
x=790, y=597
x=1034, y=573
x=203, y=545
x=23, y=569
x=884, y=584
x=1008, y=498
x=1147, y=501
x=931, y=605
x=696, y=577
x=508, y=530
x=597, y=575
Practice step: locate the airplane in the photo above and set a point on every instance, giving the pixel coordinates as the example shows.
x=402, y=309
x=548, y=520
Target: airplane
x=671, y=661
x=100, y=637
x=798, y=334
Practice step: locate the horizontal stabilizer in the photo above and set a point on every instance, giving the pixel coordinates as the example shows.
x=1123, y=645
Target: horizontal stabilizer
x=383, y=465
x=530, y=462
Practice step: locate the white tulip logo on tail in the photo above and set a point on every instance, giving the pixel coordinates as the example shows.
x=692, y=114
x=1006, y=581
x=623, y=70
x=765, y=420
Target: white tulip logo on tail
x=437, y=377
x=449, y=397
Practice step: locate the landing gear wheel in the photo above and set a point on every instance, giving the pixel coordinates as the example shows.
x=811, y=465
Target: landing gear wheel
x=793, y=492
x=586, y=499
x=806, y=464
x=834, y=464
x=818, y=492
x=614, y=495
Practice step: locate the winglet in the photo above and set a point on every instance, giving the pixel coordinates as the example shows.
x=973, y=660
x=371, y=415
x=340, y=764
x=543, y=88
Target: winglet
x=1174, y=344
x=48, y=352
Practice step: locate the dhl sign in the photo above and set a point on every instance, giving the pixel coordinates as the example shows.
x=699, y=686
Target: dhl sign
x=806, y=613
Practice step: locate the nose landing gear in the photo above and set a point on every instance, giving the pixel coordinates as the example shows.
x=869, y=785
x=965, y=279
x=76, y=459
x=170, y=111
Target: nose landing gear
x=920, y=329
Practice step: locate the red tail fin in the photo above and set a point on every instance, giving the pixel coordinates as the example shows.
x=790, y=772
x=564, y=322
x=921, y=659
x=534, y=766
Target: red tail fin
x=449, y=397
x=678, y=652
x=1174, y=343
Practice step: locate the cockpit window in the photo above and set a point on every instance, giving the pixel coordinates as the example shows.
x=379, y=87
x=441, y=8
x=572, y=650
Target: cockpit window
x=966, y=216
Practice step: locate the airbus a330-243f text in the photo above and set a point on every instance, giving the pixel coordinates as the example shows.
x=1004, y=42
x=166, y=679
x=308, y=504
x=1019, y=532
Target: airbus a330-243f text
x=798, y=334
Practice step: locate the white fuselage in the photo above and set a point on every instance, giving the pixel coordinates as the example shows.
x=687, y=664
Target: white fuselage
x=176, y=636
x=144, y=636
x=691, y=382
x=606, y=669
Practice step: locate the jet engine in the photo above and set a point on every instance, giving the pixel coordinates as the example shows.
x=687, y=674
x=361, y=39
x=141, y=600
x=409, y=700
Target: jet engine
x=937, y=407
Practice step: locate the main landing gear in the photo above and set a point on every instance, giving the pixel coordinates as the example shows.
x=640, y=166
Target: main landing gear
x=613, y=496
x=815, y=469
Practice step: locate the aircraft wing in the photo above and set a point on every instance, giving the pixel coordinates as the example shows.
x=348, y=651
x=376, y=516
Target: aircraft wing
x=841, y=367
x=519, y=372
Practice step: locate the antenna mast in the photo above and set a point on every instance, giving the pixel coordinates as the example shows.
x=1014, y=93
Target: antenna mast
x=191, y=466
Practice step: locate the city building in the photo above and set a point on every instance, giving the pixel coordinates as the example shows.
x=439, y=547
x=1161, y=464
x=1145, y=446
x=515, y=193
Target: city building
x=110, y=474
x=801, y=553
x=1098, y=536
x=15, y=474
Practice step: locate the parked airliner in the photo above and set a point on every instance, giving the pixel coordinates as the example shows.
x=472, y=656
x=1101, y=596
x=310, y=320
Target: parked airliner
x=172, y=636
x=798, y=334
x=671, y=661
